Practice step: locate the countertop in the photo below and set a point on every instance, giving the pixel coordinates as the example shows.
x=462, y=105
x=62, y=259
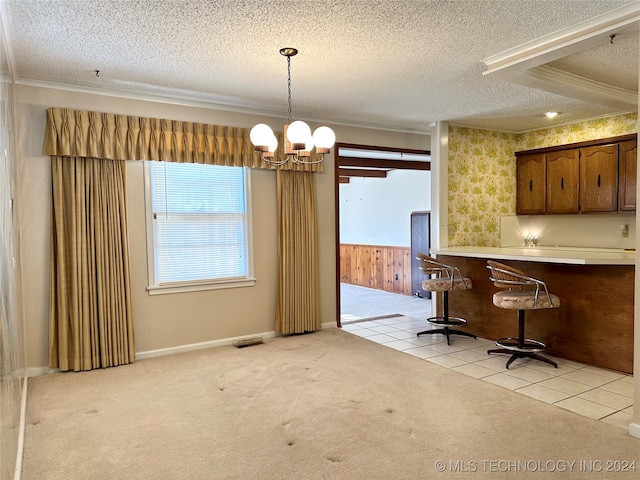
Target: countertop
x=547, y=254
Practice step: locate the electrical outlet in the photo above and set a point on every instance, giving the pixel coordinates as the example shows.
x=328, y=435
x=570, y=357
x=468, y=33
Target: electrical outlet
x=624, y=230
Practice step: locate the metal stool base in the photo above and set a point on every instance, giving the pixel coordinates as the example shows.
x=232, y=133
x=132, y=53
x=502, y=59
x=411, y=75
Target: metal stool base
x=446, y=323
x=516, y=355
x=520, y=347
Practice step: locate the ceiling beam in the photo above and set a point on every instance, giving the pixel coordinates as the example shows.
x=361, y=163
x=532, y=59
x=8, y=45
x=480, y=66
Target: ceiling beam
x=378, y=163
x=357, y=146
x=360, y=172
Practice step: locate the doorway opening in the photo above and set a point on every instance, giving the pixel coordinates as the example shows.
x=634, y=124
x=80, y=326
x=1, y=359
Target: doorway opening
x=382, y=195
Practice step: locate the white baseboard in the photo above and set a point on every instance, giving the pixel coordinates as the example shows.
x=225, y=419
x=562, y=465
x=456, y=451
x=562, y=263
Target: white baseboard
x=198, y=346
x=21, y=430
x=37, y=371
x=210, y=344
x=634, y=429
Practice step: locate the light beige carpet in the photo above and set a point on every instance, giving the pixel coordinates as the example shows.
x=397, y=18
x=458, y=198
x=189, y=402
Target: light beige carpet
x=328, y=405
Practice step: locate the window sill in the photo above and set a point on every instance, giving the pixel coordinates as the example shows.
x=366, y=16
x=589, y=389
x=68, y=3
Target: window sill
x=198, y=287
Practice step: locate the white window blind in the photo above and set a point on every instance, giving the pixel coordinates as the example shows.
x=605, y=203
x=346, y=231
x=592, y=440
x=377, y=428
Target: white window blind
x=199, y=218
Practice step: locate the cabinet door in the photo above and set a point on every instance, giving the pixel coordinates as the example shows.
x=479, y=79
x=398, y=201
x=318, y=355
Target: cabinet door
x=628, y=174
x=599, y=179
x=531, y=187
x=562, y=181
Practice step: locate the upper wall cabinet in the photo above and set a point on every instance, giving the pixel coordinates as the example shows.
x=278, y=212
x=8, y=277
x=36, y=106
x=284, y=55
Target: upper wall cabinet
x=531, y=187
x=628, y=174
x=588, y=177
x=599, y=179
x=562, y=181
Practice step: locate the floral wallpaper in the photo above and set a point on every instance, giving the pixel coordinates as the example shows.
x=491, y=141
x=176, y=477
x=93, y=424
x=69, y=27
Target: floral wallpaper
x=482, y=185
x=482, y=172
x=578, y=132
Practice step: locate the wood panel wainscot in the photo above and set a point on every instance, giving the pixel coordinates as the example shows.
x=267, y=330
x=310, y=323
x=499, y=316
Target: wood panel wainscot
x=593, y=325
x=376, y=266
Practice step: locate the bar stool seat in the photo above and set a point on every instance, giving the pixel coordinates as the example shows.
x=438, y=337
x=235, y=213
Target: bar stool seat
x=524, y=300
x=523, y=293
x=447, y=278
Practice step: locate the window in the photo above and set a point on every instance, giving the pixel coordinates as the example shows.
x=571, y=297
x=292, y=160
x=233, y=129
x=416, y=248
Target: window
x=198, y=234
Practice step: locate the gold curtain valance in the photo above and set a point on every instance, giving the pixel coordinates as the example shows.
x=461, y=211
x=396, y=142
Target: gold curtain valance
x=80, y=133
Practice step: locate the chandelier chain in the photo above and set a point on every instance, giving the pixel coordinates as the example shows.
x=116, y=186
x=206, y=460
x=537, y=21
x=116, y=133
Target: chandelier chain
x=289, y=84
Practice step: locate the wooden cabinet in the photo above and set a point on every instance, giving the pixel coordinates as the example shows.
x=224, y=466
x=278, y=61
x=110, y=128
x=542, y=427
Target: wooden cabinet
x=531, y=190
x=589, y=177
x=599, y=179
x=562, y=181
x=628, y=154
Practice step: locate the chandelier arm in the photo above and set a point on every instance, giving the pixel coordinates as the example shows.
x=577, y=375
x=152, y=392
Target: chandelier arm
x=296, y=159
x=271, y=162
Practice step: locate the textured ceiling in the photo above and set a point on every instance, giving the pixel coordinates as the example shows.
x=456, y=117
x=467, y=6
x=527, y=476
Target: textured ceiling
x=390, y=64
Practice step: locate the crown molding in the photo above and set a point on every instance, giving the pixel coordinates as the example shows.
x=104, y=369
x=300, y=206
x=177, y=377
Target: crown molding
x=224, y=107
x=577, y=38
x=582, y=88
x=525, y=64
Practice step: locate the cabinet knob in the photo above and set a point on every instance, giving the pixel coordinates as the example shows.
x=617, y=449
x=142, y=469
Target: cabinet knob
x=598, y=180
x=562, y=183
x=531, y=185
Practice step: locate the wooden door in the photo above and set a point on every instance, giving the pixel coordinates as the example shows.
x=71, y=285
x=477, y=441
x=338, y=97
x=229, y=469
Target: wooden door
x=420, y=243
x=628, y=169
x=599, y=179
x=562, y=181
x=531, y=184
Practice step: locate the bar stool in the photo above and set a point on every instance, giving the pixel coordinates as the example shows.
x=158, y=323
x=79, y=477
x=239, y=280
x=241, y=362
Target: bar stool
x=522, y=293
x=446, y=278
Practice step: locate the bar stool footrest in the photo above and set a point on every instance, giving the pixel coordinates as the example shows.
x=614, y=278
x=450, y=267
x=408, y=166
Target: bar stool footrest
x=445, y=324
x=514, y=344
x=446, y=321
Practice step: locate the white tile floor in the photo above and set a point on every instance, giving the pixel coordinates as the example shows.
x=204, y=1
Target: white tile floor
x=394, y=321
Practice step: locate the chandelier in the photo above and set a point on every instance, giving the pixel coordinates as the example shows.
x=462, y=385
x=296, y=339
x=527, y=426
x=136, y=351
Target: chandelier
x=299, y=142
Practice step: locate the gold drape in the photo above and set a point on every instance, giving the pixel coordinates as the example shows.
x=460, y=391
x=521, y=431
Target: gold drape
x=90, y=314
x=79, y=133
x=298, y=305
x=83, y=296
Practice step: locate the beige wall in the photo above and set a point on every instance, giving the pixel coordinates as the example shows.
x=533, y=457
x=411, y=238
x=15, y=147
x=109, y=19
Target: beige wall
x=165, y=321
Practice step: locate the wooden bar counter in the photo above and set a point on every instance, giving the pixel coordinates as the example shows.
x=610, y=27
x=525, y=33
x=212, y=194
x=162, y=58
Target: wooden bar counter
x=594, y=323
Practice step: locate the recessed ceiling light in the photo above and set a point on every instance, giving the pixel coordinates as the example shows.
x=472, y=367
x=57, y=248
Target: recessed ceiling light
x=550, y=114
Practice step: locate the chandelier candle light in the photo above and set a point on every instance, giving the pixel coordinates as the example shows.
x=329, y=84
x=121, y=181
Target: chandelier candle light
x=298, y=139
